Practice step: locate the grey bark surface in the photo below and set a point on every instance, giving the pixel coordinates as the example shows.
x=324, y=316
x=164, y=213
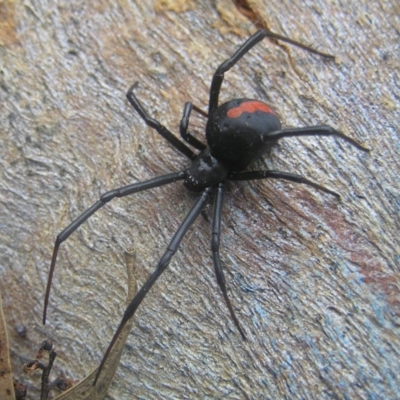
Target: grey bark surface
x=314, y=281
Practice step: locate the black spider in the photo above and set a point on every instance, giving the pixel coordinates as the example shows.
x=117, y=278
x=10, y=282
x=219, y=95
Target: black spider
x=238, y=133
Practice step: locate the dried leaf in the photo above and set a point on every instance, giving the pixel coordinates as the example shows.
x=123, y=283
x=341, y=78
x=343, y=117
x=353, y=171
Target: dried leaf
x=6, y=379
x=85, y=389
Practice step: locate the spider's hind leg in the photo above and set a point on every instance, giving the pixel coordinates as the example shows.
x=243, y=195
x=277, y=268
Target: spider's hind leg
x=317, y=130
x=215, y=241
x=240, y=52
x=288, y=176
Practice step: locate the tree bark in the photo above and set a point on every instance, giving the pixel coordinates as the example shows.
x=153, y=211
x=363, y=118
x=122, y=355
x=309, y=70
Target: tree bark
x=313, y=280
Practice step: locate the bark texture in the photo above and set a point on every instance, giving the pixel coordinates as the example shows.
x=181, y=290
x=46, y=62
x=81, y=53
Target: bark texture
x=314, y=281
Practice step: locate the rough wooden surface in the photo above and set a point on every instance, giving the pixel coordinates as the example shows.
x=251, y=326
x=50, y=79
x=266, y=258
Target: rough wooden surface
x=314, y=281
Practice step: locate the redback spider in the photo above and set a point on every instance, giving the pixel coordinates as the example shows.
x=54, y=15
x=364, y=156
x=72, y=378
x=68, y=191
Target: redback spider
x=237, y=133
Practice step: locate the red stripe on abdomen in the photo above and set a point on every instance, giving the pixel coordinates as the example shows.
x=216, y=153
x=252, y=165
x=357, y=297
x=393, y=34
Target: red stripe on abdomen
x=250, y=107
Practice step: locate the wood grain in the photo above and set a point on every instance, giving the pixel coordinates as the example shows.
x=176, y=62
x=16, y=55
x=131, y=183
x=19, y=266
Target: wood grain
x=314, y=281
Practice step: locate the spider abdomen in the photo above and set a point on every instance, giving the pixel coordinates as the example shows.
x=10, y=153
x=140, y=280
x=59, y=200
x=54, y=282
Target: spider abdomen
x=235, y=130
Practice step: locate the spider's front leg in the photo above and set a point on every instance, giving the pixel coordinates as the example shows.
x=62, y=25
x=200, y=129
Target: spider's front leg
x=161, y=129
x=161, y=266
x=187, y=109
x=104, y=199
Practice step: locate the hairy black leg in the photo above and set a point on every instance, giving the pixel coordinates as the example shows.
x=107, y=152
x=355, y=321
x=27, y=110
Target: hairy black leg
x=215, y=241
x=240, y=52
x=161, y=266
x=247, y=176
x=318, y=130
x=105, y=198
x=161, y=129
x=187, y=109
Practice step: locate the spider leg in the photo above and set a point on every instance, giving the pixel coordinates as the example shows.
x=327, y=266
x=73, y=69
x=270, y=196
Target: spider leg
x=318, y=130
x=240, y=52
x=247, y=176
x=161, y=266
x=215, y=242
x=187, y=109
x=105, y=198
x=161, y=129
x=200, y=111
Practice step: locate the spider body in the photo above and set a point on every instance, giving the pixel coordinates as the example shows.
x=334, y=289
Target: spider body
x=237, y=133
